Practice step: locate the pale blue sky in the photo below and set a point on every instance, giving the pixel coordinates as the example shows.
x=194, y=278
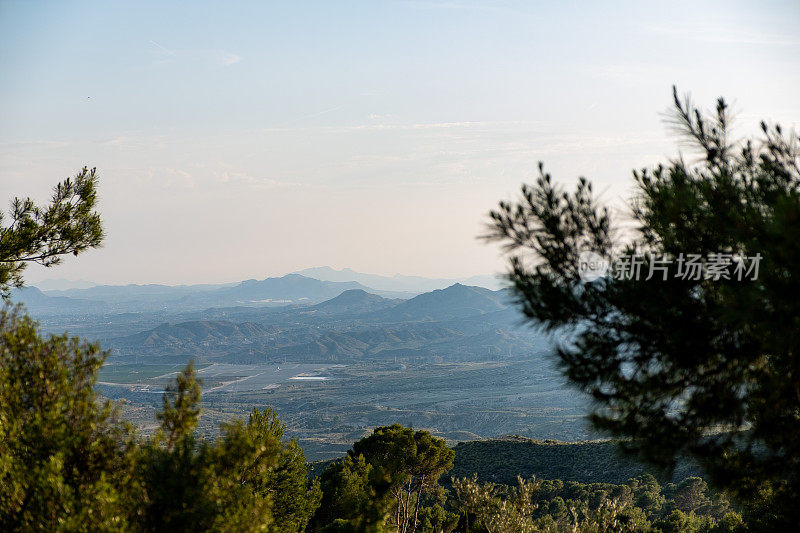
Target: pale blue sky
x=239, y=139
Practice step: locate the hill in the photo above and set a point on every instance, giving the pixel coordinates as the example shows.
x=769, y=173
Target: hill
x=194, y=336
x=458, y=323
x=127, y=292
x=59, y=284
x=353, y=301
x=501, y=460
x=456, y=301
x=291, y=288
x=38, y=302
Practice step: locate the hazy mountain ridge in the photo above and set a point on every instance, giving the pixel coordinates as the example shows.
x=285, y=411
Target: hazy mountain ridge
x=37, y=301
x=399, y=282
x=456, y=301
x=456, y=323
x=286, y=290
x=310, y=286
x=60, y=284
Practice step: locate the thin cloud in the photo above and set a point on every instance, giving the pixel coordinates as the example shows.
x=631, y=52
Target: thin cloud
x=163, y=54
x=166, y=56
x=228, y=58
x=452, y=5
x=310, y=115
x=723, y=36
x=163, y=49
x=233, y=178
x=171, y=178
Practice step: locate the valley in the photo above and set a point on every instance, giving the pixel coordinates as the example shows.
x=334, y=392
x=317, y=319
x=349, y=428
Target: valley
x=333, y=360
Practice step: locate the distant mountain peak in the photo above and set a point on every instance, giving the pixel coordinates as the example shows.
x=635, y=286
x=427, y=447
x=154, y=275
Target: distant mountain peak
x=357, y=294
x=455, y=301
x=397, y=282
x=354, y=301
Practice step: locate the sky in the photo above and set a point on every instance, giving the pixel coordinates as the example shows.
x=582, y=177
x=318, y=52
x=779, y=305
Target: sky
x=239, y=140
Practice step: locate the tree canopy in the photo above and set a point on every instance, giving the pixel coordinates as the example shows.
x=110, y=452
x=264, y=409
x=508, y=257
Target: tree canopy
x=63, y=453
x=707, y=363
x=68, y=463
x=44, y=234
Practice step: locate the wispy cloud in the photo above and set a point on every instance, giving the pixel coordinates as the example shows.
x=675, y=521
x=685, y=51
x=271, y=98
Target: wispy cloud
x=235, y=178
x=444, y=125
x=165, y=56
x=436, y=125
x=311, y=115
x=633, y=73
x=450, y=4
x=727, y=36
x=228, y=58
x=171, y=178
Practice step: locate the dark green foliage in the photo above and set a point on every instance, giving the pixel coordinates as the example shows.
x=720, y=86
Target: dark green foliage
x=192, y=484
x=246, y=480
x=296, y=497
x=496, y=508
x=435, y=519
x=702, y=366
x=181, y=409
x=354, y=497
x=584, y=501
x=64, y=464
x=647, y=494
x=552, y=505
x=502, y=460
x=679, y=522
x=412, y=462
x=397, y=466
x=690, y=495
x=30, y=233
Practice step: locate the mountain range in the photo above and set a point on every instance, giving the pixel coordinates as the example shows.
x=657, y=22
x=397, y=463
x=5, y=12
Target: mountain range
x=398, y=282
x=333, y=357
x=310, y=286
x=458, y=323
x=285, y=290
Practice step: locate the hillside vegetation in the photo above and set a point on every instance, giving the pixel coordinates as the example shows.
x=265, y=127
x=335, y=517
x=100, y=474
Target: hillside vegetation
x=502, y=460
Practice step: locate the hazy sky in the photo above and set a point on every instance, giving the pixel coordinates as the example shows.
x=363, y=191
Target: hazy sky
x=243, y=140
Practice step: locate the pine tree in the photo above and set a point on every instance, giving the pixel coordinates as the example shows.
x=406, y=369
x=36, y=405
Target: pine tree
x=705, y=364
x=44, y=234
